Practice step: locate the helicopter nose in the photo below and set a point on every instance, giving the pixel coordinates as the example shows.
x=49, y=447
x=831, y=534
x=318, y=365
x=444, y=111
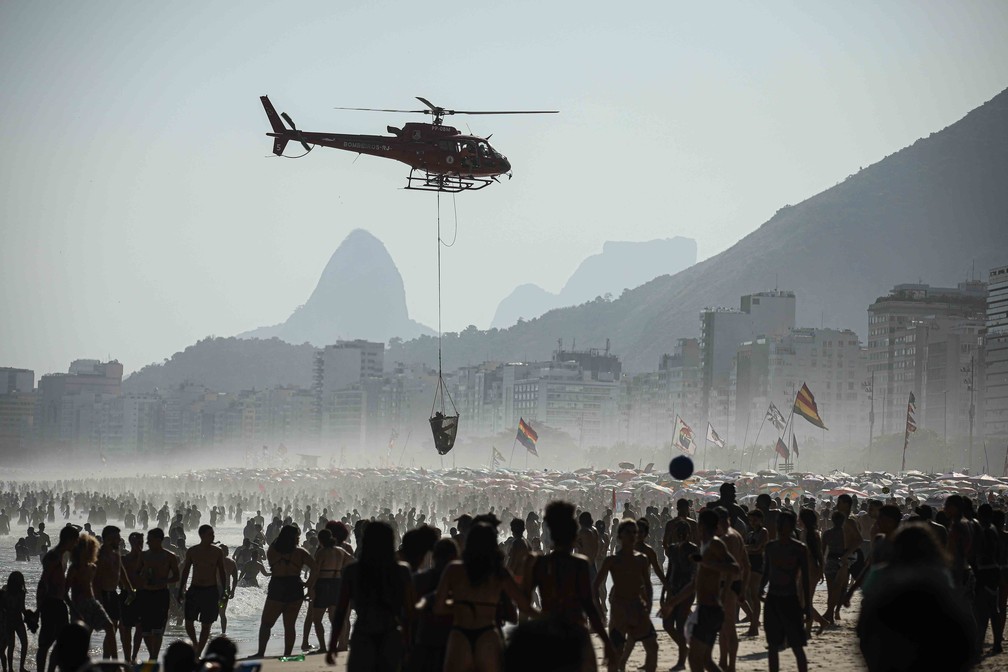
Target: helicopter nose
x=507, y=165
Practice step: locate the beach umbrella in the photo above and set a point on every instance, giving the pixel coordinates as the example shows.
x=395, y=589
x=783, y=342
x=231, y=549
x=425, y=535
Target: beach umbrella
x=836, y=492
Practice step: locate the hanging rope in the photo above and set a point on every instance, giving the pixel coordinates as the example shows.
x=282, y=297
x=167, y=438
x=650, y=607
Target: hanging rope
x=444, y=425
x=439, y=285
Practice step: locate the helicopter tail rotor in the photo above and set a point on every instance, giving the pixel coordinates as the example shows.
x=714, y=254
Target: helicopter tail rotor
x=298, y=135
x=281, y=135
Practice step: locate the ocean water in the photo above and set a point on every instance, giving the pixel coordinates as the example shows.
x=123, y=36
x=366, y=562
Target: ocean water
x=243, y=612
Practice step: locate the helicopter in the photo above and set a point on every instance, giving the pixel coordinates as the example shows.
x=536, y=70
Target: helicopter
x=439, y=156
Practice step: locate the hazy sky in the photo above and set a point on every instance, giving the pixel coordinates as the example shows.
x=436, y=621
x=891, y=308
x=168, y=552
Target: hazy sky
x=139, y=211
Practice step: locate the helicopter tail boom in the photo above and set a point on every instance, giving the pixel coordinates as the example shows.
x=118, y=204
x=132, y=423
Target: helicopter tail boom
x=280, y=134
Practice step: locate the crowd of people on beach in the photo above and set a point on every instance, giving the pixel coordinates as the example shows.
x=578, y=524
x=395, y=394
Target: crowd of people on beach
x=456, y=581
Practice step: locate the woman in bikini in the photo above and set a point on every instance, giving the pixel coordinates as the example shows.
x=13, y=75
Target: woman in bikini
x=286, y=591
x=380, y=590
x=329, y=562
x=470, y=590
x=80, y=580
x=812, y=539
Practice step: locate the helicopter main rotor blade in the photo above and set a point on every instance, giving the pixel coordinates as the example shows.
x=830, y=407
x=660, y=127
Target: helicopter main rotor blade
x=428, y=103
x=503, y=112
x=372, y=109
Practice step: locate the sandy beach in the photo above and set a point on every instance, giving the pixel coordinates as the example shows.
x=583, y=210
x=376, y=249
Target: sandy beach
x=834, y=650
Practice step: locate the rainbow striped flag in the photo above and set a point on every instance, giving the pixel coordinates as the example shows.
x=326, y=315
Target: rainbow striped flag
x=527, y=436
x=805, y=406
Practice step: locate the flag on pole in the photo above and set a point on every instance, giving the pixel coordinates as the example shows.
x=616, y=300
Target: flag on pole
x=794, y=445
x=805, y=406
x=911, y=426
x=775, y=417
x=527, y=436
x=683, y=437
x=497, y=458
x=713, y=437
x=781, y=448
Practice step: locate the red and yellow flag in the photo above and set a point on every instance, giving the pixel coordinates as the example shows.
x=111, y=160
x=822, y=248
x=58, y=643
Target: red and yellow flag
x=805, y=406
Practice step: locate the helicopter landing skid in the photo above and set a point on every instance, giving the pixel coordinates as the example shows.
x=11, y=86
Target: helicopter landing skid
x=445, y=182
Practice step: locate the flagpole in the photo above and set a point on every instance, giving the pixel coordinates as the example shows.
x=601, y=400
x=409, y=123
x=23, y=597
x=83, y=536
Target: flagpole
x=673, y=431
x=752, y=455
x=906, y=436
x=745, y=438
x=705, y=447
x=511, y=459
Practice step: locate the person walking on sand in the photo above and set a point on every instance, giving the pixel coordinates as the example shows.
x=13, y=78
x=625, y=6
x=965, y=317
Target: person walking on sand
x=680, y=574
x=380, y=590
x=715, y=565
x=109, y=578
x=563, y=578
x=202, y=599
x=158, y=569
x=784, y=617
x=51, y=595
x=629, y=600
x=286, y=591
x=129, y=613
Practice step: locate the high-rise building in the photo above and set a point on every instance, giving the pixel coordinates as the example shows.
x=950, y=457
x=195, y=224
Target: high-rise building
x=16, y=380
x=995, y=365
x=347, y=363
x=902, y=328
x=830, y=361
x=653, y=399
x=577, y=392
x=71, y=406
x=17, y=412
x=770, y=313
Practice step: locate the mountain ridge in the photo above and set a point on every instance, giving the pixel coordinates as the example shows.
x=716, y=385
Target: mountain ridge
x=620, y=265
x=360, y=294
x=943, y=196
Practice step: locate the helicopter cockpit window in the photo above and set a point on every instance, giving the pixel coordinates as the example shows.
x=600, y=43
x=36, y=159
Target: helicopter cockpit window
x=484, y=150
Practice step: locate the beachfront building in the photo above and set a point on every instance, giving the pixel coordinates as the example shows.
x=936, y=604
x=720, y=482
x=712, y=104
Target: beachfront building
x=71, y=406
x=722, y=330
x=995, y=370
x=577, y=392
x=920, y=338
x=654, y=398
x=831, y=362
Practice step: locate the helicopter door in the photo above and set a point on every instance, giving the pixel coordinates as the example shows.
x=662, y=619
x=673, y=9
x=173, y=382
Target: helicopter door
x=468, y=154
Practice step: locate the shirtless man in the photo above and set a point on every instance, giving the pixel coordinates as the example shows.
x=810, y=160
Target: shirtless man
x=231, y=570
x=130, y=608
x=109, y=577
x=563, y=578
x=756, y=542
x=51, y=597
x=866, y=522
x=734, y=594
x=715, y=564
x=587, y=541
x=629, y=600
x=641, y=546
x=681, y=572
x=682, y=513
x=519, y=552
x=784, y=617
x=159, y=569
x=851, y=561
x=202, y=598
